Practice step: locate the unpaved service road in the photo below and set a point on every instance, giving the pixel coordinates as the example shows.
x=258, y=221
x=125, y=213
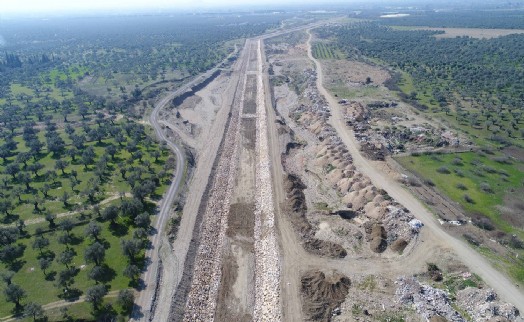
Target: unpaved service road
x=494, y=278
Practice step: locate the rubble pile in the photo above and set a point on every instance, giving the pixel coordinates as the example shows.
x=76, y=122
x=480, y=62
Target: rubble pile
x=427, y=301
x=397, y=224
x=267, y=259
x=483, y=305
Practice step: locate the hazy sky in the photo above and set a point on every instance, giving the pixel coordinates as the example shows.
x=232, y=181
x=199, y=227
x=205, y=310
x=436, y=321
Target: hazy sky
x=31, y=6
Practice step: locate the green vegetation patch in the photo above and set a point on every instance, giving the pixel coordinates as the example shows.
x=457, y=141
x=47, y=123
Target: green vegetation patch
x=477, y=181
x=322, y=50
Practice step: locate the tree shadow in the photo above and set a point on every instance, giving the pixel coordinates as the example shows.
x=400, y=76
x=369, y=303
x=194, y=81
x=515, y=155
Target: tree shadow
x=151, y=231
x=105, y=313
x=103, y=242
x=56, y=184
x=31, y=191
x=76, y=240
x=16, y=265
x=9, y=219
x=47, y=254
x=118, y=230
x=71, y=295
x=102, y=144
x=109, y=274
x=137, y=314
x=51, y=276
x=138, y=284
x=18, y=311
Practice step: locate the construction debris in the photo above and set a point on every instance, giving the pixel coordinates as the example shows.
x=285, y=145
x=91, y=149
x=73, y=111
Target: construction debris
x=483, y=305
x=426, y=300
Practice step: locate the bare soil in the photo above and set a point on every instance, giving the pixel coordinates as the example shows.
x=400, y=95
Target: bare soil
x=354, y=73
x=249, y=132
x=296, y=208
x=237, y=266
x=250, y=104
x=512, y=209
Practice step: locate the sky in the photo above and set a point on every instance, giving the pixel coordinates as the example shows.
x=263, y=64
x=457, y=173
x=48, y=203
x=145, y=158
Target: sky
x=40, y=6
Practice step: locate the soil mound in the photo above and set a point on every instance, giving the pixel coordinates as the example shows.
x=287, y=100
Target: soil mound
x=377, y=236
x=325, y=248
x=297, y=208
x=437, y=318
x=322, y=294
x=399, y=245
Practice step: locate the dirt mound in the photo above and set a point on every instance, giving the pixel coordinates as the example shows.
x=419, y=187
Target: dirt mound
x=377, y=237
x=399, y=245
x=437, y=318
x=321, y=294
x=326, y=248
x=297, y=208
x=296, y=200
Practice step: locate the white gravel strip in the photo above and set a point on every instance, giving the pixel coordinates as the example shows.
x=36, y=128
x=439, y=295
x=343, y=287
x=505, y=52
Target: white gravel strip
x=267, y=261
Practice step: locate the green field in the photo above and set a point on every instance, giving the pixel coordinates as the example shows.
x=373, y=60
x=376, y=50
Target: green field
x=486, y=179
x=322, y=50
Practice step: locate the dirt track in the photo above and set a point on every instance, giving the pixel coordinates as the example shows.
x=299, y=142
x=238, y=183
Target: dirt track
x=473, y=260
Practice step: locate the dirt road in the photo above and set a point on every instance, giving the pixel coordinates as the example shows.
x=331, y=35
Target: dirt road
x=494, y=278
x=145, y=300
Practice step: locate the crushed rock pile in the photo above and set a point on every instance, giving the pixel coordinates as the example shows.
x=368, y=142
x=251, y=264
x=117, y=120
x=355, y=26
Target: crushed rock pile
x=483, y=305
x=427, y=301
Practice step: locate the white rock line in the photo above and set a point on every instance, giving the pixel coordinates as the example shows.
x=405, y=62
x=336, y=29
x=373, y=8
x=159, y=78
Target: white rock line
x=267, y=263
x=202, y=298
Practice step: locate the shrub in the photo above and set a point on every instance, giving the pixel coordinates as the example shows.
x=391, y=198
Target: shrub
x=483, y=223
x=471, y=239
x=502, y=160
x=443, y=170
x=478, y=172
x=476, y=162
x=484, y=186
x=415, y=154
x=489, y=169
x=468, y=199
x=457, y=161
x=434, y=272
x=514, y=242
x=461, y=186
x=429, y=182
x=459, y=173
x=414, y=182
